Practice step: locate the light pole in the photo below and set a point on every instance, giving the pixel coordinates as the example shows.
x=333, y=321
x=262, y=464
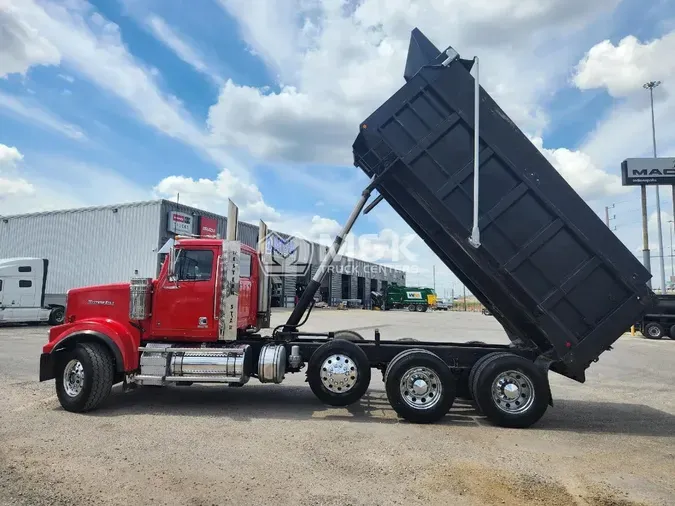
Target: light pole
x=672, y=268
x=650, y=86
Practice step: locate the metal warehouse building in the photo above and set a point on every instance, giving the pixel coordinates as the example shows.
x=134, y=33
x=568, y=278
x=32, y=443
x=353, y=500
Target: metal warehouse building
x=108, y=244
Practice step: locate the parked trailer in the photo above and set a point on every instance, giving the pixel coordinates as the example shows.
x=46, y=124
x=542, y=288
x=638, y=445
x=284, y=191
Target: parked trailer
x=22, y=292
x=562, y=285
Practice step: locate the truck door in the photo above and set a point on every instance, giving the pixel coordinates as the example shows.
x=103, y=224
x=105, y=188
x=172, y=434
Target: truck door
x=186, y=307
x=4, y=310
x=28, y=303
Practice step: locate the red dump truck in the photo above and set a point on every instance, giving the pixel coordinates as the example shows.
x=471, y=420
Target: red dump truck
x=443, y=154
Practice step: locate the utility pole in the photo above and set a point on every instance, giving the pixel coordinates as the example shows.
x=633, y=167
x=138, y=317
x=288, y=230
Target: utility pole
x=464, y=297
x=671, y=224
x=434, y=271
x=646, y=258
x=650, y=86
x=607, y=217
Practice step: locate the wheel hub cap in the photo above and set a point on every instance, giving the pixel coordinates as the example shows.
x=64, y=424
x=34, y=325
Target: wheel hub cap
x=73, y=378
x=338, y=374
x=421, y=388
x=513, y=392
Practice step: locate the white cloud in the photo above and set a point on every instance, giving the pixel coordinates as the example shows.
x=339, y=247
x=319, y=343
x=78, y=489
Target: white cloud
x=624, y=68
x=68, y=78
x=78, y=184
x=290, y=125
x=180, y=45
x=9, y=156
x=212, y=195
x=11, y=184
x=29, y=112
x=337, y=61
x=625, y=130
x=92, y=46
x=577, y=167
x=21, y=45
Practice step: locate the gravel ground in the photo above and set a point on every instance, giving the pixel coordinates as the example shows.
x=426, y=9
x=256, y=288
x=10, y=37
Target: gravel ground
x=608, y=442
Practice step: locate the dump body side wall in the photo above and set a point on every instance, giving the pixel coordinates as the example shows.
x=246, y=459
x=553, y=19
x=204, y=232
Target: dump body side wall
x=548, y=267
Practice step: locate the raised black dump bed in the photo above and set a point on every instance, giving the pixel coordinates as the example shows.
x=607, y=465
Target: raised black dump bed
x=547, y=267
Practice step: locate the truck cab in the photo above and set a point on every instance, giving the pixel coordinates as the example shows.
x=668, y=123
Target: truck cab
x=22, y=292
x=183, y=303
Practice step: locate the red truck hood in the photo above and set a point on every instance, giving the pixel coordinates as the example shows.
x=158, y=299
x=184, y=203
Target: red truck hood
x=102, y=301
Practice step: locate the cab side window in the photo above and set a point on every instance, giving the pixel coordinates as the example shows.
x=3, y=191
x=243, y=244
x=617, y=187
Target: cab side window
x=245, y=266
x=194, y=265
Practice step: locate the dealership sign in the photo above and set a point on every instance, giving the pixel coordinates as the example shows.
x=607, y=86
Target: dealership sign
x=179, y=223
x=649, y=171
x=285, y=256
x=208, y=227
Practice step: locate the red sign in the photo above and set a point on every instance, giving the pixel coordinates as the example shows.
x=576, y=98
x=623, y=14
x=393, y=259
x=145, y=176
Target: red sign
x=208, y=227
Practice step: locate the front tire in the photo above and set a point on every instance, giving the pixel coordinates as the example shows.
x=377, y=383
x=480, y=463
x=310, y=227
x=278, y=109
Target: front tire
x=57, y=316
x=510, y=390
x=654, y=331
x=420, y=386
x=84, y=377
x=338, y=373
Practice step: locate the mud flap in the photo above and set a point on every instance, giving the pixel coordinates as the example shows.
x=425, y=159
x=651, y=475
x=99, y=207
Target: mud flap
x=544, y=364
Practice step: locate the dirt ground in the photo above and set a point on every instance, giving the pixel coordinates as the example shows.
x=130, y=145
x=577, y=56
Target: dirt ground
x=608, y=442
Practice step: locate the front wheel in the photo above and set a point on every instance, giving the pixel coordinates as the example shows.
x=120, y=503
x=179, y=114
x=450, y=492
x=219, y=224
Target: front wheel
x=420, y=386
x=84, y=377
x=510, y=390
x=338, y=373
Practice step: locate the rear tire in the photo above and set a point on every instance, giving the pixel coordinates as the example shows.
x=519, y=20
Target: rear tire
x=510, y=390
x=424, y=308
x=84, y=377
x=672, y=332
x=420, y=386
x=654, y=331
x=472, y=374
x=348, y=335
x=338, y=373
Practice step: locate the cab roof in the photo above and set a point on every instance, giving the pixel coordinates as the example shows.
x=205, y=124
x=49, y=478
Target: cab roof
x=205, y=242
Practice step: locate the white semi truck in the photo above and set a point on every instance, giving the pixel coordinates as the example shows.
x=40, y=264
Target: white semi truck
x=22, y=292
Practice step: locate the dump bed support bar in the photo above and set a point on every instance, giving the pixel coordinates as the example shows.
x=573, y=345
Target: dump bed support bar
x=315, y=284
x=474, y=240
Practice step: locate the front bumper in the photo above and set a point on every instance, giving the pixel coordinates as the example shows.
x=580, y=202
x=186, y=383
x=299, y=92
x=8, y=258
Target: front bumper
x=46, y=367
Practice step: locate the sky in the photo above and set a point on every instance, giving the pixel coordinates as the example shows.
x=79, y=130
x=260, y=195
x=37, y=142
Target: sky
x=259, y=101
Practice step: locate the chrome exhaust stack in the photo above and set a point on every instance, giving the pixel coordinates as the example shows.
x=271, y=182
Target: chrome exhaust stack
x=232, y=221
x=264, y=311
x=229, y=273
